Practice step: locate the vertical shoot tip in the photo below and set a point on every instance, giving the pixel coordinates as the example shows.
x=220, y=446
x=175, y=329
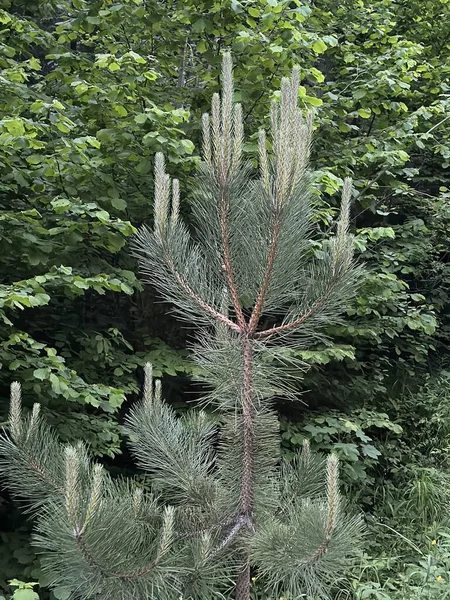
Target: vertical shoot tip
x=158, y=391
x=238, y=136
x=332, y=492
x=72, y=463
x=306, y=450
x=137, y=500
x=226, y=125
x=96, y=492
x=344, y=217
x=148, y=384
x=34, y=419
x=162, y=182
x=263, y=160
x=206, y=135
x=175, y=202
x=15, y=411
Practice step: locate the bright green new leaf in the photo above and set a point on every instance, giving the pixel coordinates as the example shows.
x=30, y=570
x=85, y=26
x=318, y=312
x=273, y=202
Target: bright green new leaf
x=319, y=47
x=364, y=113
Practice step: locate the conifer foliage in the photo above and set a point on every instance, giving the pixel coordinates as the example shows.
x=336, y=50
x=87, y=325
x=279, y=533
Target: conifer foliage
x=222, y=507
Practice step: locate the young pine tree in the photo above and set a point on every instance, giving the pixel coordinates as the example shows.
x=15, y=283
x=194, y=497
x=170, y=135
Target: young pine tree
x=224, y=507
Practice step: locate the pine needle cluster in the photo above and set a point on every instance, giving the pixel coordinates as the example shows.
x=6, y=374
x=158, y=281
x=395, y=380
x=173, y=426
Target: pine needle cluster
x=224, y=506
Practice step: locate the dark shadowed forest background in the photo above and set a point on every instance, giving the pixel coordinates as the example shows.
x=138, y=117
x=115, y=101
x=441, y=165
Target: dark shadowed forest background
x=89, y=91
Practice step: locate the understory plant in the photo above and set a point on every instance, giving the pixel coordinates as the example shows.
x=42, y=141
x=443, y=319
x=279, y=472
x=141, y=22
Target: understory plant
x=224, y=507
x=422, y=574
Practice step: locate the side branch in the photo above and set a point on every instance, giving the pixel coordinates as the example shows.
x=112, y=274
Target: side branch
x=257, y=310
x=93, y=563
x=333, y=501
x=320, y=551
x=241, y=521
x=43, y=475
x=227, y=259
x=204, y=305
x=289, y=326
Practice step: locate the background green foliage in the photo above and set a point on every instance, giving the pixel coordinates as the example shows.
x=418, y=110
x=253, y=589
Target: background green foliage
x=89, y=91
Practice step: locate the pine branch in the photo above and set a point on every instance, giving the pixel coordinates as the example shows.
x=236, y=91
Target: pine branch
x=256, y=313
x=162, y=228
x=240, y=522
x=93, y=563
x=22, y=455
x=223, y=207
x=227, y=161
x=341, y=257
x=42, y=473
x=203, y=305
x=90, y=560
x=287, y=327
x=291, y=141
x=332, y=506
x=164, y=546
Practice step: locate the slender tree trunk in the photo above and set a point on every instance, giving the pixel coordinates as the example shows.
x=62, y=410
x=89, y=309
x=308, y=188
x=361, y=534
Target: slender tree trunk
x=243, y=581
x=243, y=584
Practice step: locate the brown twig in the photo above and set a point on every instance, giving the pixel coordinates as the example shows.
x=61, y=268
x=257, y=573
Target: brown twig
x=204, y=305
x=227, y=258
x=257, y=310
x=81, y=543
x=288, y=326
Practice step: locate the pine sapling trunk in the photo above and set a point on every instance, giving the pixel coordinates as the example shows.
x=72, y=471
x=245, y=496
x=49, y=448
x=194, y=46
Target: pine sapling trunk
x=243, y=580
x=243, y=583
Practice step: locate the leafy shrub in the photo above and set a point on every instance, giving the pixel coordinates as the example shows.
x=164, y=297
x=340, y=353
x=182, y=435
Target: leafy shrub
x=424, y=577
x=22, y=590
x=354, y=436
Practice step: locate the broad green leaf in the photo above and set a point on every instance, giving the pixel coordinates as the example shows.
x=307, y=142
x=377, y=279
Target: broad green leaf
x=188, y=146
x=313, y=101
x=276, y=49
x=14, y=127
x=25, y=594
x=318, y=75
x=120, y=110
x=319, y=47
x=364, y=113
x=140, y=118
